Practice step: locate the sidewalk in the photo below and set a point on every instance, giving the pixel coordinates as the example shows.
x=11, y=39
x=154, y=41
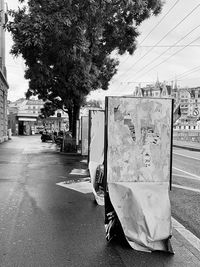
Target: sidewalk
x=194, y=146
x=49, y=218
x=185, y=253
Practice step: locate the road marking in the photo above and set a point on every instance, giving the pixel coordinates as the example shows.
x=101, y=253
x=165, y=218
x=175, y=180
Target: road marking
x=194, y=175
x=186, y=188
x=185, y=156
x=186, y=177
x=191, y=238
x=84, y=187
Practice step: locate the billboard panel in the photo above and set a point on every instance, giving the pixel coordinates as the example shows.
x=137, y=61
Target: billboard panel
x=84, y=135
x=96, y=152
x=138, y=168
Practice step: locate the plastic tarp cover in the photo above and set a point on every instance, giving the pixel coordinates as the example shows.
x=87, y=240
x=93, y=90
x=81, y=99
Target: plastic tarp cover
x=96, y=150
x=139, y=169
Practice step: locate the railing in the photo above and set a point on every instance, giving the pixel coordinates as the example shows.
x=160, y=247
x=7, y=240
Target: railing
x=187, y=135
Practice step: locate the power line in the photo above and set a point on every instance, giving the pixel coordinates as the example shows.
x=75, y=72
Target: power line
x=170, y=56
x=179, y=77
x=183, y=78
x=188, y=71
x=159, y=22
x=146, y=46
x=153, y=28
x=164, y=36
x=182, y=38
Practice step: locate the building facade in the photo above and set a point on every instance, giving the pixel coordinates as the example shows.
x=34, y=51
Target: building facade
x=187, y=98
x=3, y=80
x=24, y=118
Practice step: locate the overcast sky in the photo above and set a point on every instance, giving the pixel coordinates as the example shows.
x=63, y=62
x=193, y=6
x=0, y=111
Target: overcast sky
x=168, y=49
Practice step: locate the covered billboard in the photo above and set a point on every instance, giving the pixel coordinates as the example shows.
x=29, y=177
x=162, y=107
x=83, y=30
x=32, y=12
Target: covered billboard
x=138, y=152
x=84, y=135
x=96, y=153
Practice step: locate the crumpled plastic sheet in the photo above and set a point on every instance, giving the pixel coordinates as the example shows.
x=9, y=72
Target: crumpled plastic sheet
x=144, y=212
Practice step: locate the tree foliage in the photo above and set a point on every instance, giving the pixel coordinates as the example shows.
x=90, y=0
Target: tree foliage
x=67, y=44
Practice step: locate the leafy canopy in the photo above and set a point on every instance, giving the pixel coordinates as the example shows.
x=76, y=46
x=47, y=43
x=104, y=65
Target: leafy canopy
x=67, y=44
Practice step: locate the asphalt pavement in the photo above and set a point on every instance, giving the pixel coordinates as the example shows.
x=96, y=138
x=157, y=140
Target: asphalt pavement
x=48, y=216
x=194, y=146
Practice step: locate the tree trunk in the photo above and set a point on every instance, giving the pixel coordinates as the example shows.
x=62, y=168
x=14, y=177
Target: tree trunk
x=76, y=109
x=70, y=115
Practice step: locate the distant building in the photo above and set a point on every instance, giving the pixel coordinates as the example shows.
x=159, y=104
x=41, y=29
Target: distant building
x=154, y=90
x=188, y=99
x=24, y=119
x=3, y=80
x=23, y=116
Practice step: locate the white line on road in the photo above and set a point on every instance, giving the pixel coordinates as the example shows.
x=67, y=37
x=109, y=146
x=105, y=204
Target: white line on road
x=192, y=239
x=186, y=188
x=186, y=176
x=84, y=187
x=194, y=175
x=185, y=156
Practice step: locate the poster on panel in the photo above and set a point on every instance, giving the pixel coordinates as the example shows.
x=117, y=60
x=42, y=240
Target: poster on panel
x=84, y=135
x=138, y=171
x=96, y=153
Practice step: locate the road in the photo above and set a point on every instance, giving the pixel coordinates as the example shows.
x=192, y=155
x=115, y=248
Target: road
x=45, y=224
x=185, y=194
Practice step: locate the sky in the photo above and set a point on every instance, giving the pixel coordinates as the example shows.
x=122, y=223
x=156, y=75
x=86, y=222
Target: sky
x=168, y=49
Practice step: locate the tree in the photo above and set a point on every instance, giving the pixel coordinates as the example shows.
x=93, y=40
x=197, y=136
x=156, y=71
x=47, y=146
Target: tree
x=93, y=103
x=67, y=45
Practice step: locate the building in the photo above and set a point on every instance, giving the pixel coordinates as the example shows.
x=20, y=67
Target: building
x=188, y=99
x=3, y=80
x=24, y=118
x=154, y=90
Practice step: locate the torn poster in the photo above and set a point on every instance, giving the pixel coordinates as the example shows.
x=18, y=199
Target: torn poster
x=138, y=170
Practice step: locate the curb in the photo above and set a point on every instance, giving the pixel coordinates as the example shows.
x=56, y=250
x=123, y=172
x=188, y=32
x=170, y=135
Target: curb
x=187, y=147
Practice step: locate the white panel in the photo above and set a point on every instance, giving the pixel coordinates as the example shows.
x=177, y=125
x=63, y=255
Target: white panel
x=84, y=135
x=139, y=168
x=27, y=119
x=96, y=149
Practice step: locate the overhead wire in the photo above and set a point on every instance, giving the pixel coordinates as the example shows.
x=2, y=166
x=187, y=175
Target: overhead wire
x=178, y=24
x=183, y=78
x=159, y=22
x=154, y=27
x=161, y=46
x=170, y=56
x=169, y=48
x=188, y=71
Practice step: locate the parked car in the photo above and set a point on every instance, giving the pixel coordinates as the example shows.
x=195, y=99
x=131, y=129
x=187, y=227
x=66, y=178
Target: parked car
x=46, y=136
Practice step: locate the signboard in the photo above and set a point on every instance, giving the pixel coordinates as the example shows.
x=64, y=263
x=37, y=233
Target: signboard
x=84, y=135
x=138, y=169
x=96, y=153
x=26, y=119
x=196, y=112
